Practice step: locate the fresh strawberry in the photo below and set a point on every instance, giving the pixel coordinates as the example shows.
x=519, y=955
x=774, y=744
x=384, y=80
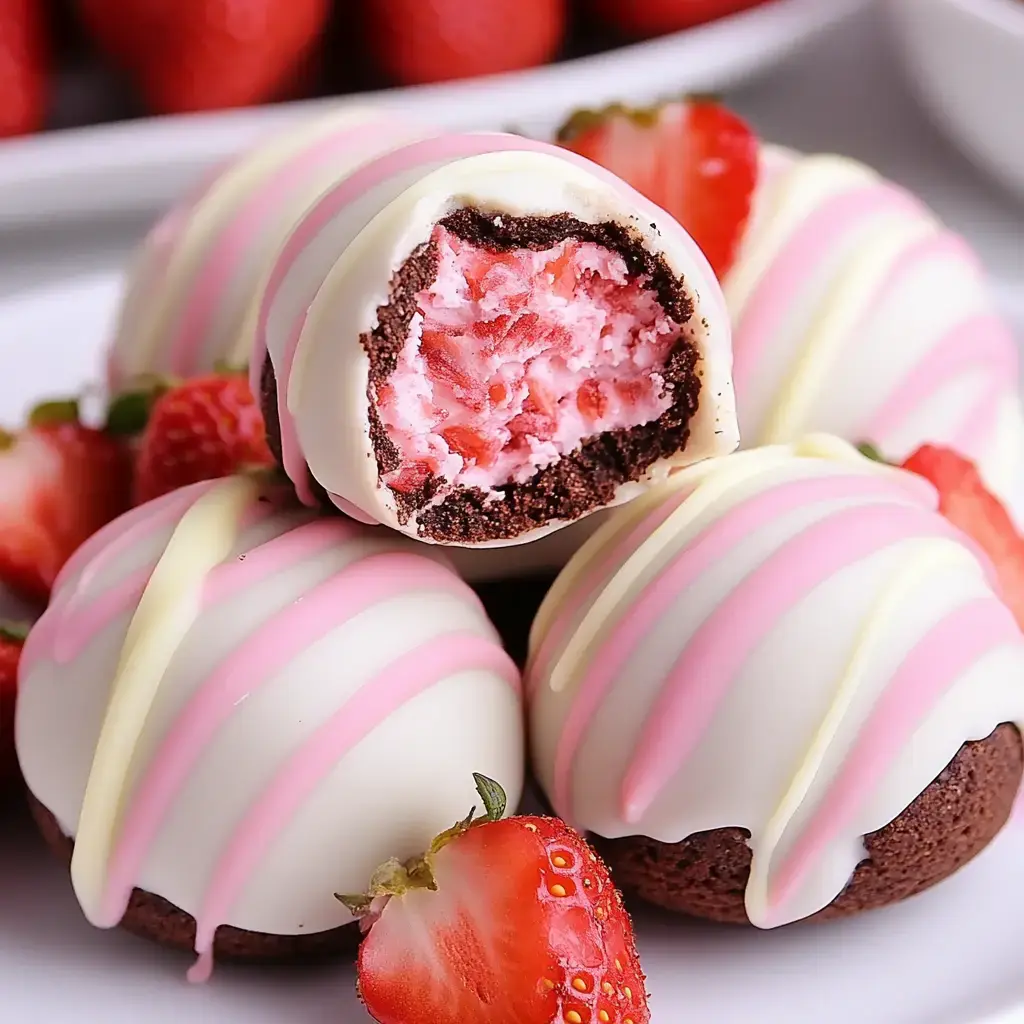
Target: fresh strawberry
x=24, y=66
x=968, y=504
x=59, y=483
x=419, y=41
x=200, y=429
x=694, y=158
x=11, y=640
x=512, y=921
x=188, y=55
x=657, y=17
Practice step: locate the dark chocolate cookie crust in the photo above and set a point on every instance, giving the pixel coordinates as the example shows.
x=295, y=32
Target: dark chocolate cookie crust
x=950, y=823
x=152, y=917
x=577, y=483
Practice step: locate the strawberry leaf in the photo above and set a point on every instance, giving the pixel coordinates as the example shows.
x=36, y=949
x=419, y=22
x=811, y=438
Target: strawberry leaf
x=357, y=905
x=54, y=413
x=129, y=413
x=14, y=632
x=869, y=451
x=492, y=795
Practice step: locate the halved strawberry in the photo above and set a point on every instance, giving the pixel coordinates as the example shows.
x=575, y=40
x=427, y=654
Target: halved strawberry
x=694, y=158
x=971, y=507
x=512, y=921
x=59, y=483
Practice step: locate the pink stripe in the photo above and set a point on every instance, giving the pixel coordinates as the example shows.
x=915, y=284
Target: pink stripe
x=48, y=635
x=780, y=287
x=404, y=679
x=722, y=644
x=982, y=341
x=266, y=652
x=87, y=616
x=297, y=545
x=540, y=664
x=141, y=522
x=703, y=552
x=243, y=232
x=939, y=659
x=367, y=177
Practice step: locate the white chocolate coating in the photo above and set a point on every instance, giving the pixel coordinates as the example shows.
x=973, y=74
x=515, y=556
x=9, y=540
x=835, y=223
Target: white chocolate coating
x=334, y=273
x=857, y=313
x=788, y=640
x=245, y=709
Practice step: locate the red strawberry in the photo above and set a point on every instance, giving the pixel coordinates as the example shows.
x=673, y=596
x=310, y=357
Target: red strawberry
x=24, y=66
x=419, y=41
x=59, y=483
x=970, y=506
x=12, y=638
x=656, y=17
x=694, y=158
x=512, y=921
x=188, y=55
x=201, y=429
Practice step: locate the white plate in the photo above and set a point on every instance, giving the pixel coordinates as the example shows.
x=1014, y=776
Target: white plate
x=143, y=164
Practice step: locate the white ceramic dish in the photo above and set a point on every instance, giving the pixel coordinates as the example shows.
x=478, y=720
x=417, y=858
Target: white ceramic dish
x=965, y=61
x=143, y=164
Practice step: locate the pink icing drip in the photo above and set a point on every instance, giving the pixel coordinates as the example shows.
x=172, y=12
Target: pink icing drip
x=373, y=174
x=701, y=554
x=725, y=640
x=981, y=341
x=351, y=591
x=405, y=678
x=941, y=657
x=780, y=287
x=244, y=232
x=541, y=662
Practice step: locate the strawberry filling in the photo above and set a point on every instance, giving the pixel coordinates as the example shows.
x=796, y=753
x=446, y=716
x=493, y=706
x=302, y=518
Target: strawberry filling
x=515, y=358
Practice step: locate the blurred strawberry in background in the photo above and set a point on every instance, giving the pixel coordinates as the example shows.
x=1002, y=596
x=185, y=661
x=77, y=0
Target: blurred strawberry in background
x=178, y=56
x=24, y=66
x=187, y=55
x=657, y=17
x=419, y=41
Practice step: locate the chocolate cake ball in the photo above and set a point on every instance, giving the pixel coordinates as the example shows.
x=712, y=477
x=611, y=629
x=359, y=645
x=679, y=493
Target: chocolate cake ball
x=781, y=687
x=234, y=709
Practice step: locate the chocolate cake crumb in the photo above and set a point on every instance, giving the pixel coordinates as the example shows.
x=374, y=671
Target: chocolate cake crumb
x=948, y=824
x=580, y=481
x=152, y=917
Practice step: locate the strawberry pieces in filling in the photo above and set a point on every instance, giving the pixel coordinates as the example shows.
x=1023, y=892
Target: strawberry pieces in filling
x=515, y=358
